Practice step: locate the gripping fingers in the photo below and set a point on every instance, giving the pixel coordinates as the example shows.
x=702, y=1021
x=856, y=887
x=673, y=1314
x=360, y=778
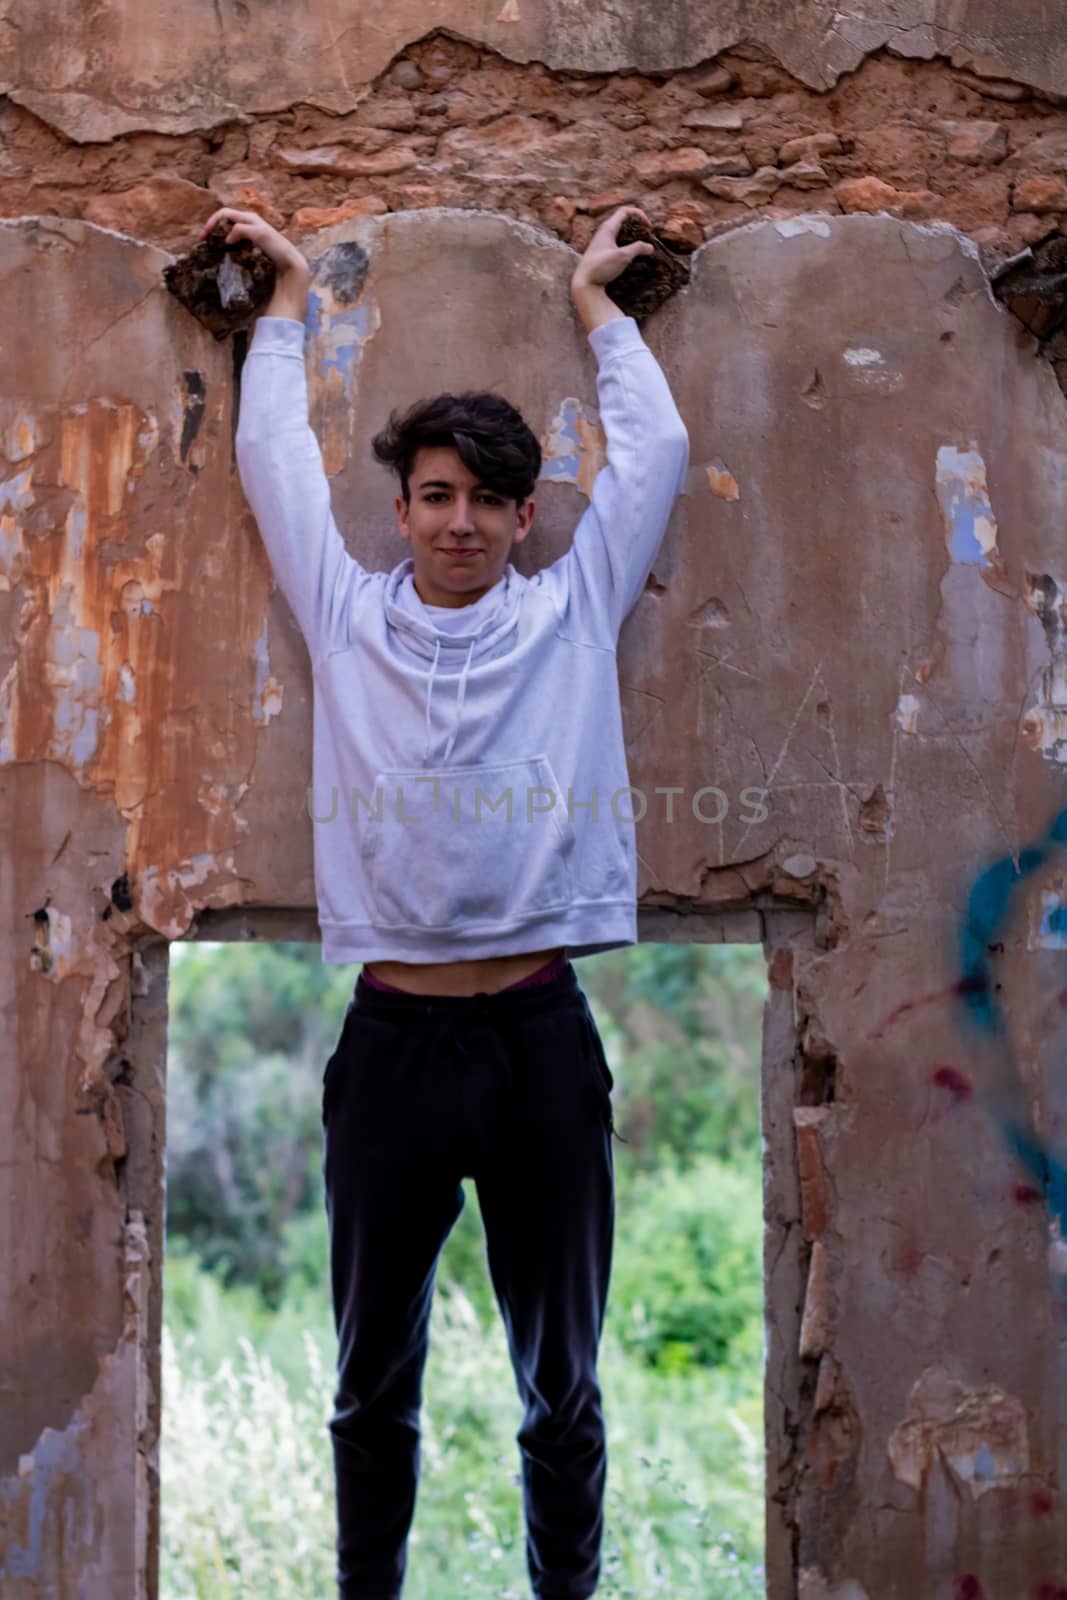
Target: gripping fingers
x=225, y=215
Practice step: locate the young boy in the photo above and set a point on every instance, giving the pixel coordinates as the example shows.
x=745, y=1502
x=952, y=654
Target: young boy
x=471, y=831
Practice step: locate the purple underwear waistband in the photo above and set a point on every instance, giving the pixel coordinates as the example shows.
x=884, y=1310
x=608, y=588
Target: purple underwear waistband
x=552, y=969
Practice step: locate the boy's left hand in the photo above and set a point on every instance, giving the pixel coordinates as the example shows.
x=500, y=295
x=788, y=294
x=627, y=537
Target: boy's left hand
x=604, y=260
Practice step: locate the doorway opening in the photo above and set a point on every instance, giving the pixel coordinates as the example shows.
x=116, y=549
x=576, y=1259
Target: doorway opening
x=248, y=1341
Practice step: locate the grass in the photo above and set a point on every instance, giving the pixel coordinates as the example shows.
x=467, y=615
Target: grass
x=247, y=1478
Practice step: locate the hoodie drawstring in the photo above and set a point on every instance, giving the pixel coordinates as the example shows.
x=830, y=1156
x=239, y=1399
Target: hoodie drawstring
x=429, y=697
x=459, y=702
x=460, y=697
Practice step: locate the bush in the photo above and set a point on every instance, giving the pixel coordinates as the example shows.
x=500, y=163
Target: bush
x=688, y=1291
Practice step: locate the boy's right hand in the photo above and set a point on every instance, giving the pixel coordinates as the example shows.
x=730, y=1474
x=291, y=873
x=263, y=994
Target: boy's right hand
x=249, y=225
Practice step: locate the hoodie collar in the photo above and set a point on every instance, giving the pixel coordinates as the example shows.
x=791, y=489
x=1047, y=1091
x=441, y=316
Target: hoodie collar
x=469, y=631
x=422, y=626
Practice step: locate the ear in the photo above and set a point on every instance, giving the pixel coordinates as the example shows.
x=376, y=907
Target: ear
x=525, y=520
x=402, y=517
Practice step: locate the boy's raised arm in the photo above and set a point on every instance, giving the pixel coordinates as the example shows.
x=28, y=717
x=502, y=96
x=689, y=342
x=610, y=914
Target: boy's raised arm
x=599, y=579
x=278, y=455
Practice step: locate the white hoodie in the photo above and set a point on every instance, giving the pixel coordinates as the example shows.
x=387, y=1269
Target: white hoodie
x=469, y=775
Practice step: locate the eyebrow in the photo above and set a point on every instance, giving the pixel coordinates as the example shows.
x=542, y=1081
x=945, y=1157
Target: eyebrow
x=443, y=483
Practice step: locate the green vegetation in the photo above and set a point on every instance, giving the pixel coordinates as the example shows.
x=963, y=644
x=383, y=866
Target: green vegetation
x=249, y=1347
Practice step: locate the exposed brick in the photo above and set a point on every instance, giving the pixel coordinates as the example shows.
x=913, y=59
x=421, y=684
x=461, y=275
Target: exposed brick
x=1040, y=194
x=625, y=118
x=407, y=75
x=760, y=79
x=397, y=114
x=735, y=166
x=662, y=165
x=975, y=142
x=557, y=213
x=1026, y=228
x=310, y=218
x=1047, y=152
x=815, y=1321
x=805, y=175
x=746, y=191
x=607, y=200
x=338, y=158
x=814, y=1199
x=684, y=224
x=414, y=196
x=470, y=128
x=809, y=148
x=761, y=152
x=780, y=971
x=870, y=194
x=727, y=118
x=243, y=190
x=994, y=88
x=711, y=80
x=160, y=207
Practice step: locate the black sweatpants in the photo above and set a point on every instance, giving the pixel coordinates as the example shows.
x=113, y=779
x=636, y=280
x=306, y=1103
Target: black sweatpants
x=513, y=1090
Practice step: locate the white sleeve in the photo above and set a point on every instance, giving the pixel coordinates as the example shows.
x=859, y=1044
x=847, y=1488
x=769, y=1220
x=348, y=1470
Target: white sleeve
x=598, y=581
x=285, y=483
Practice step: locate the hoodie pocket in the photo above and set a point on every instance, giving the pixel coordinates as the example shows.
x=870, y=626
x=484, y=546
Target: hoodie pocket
x=480, y=846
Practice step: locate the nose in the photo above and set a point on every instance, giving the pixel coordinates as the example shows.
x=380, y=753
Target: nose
x=462, y=517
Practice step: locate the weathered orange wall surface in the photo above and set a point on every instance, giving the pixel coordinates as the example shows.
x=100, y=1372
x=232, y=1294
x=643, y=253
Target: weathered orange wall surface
x=860, y=606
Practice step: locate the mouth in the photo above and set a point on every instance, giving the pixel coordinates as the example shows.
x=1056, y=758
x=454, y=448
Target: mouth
x=456, y=553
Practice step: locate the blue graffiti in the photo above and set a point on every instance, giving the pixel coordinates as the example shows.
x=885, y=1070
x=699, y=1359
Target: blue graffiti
x=989, y=908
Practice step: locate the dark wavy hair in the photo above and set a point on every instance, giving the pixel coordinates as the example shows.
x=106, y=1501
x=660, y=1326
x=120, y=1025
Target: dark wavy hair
x=491, y=437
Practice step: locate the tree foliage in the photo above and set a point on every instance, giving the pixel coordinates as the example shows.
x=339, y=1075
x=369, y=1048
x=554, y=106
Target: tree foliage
x=251, y=1029
x=253, y=1025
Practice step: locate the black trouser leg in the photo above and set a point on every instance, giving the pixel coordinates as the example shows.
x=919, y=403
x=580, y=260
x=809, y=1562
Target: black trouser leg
x=391, y=1201
x=511, y=1089
x=547, y=1198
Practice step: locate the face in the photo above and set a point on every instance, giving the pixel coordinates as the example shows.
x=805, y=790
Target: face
x=451, y=512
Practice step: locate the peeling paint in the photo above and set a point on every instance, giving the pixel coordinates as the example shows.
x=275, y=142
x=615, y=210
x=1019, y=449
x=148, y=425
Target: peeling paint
x=74, y=676
x=721, y=481
x=341, y=338
x=55, y=1486
x=193, y=407
x=907, y=713
x=53, y=952
x=789, y=227
x=1051, y=930
x=164, y=903
x=15, y=492
x=970, y=525
x=979, y=1434
x=219, y=798
x=338, y=328
x=712, y=614
x=267, y=699
x=53, y=1473
x=20, y=437
x=1044, y=725
x=869, y=369
x=1044, y=728
x=574, y=448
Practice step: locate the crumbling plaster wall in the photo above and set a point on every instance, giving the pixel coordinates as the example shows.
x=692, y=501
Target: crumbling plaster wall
x=858, y=607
